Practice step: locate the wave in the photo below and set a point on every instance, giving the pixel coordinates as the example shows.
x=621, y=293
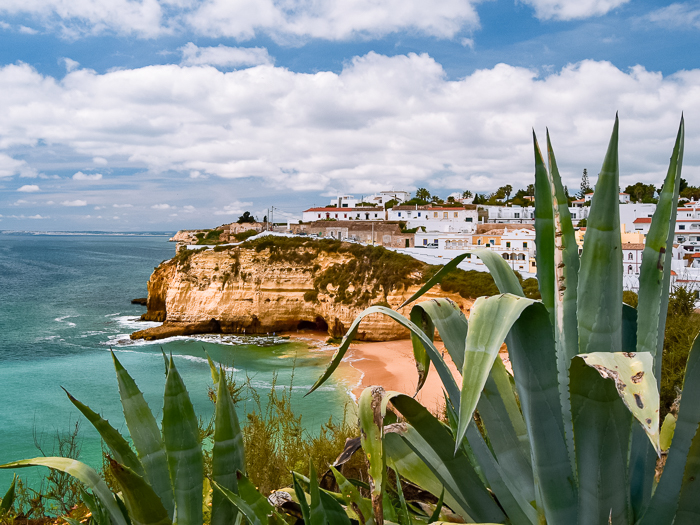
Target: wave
x=61, y=320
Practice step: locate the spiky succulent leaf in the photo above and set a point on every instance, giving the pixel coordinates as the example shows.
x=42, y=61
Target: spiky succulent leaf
x=451, y=324
x=544, y=229
x=143, y=504
x=372, y=432
x=667, y=430
x=113, y=439
x=181, y=439
x=9, y=497
x=420, y=355
x=228, y=455
x=602, y=426
x=634, y=380
x=352, y=498
x=82, y=473
x=146, y=436
x=599, y=305
x=484, y=340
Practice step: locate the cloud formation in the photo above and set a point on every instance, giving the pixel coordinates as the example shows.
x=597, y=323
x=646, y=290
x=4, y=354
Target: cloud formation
x=86, y=176
x=381, y=122
x=244, y=19
x=681, y=14
x=29, y=188
x=572, y=9
x=224, y=56
x=75, y=203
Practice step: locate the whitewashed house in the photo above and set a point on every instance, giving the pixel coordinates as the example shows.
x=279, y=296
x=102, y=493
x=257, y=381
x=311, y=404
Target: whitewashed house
x=436, y=218
x=361, y=213
x=510, y=214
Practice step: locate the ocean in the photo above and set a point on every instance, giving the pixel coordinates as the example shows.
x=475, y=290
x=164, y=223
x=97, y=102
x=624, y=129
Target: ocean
x=65, y=302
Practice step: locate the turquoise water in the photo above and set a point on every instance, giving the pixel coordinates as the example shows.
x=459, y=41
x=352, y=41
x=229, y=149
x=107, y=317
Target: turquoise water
x=65, y=301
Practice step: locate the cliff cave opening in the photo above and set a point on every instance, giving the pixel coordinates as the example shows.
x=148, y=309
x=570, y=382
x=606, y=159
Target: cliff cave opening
x=319, y=324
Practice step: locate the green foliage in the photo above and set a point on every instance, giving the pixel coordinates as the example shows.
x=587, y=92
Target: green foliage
x=240, y=237
x=573, y=435
x=311, y=296
x=245, y=218
x=640, y=192
x=423, y=194
x=210, y=237
x=630, y=298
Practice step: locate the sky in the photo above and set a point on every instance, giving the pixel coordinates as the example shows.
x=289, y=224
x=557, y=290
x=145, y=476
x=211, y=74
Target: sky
x=135, y=115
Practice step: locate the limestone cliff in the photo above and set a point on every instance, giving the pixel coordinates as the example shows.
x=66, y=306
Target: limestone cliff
x=258, y=289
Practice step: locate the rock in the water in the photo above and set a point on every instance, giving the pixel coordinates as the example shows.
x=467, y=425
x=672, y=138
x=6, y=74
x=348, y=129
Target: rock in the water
x=142, y=301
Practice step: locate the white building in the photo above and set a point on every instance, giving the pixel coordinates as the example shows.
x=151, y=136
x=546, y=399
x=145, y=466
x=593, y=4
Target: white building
x=361, y=213
x=631, y=258
x=510, y=214
x=629, y=213
x=383, y=197
x=436, y=218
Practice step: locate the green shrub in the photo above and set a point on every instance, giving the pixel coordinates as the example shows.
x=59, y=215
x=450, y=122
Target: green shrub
x=240, y=237
x=311, y=296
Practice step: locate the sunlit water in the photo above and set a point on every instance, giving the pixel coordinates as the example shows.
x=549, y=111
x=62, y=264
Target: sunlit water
x=65, y=301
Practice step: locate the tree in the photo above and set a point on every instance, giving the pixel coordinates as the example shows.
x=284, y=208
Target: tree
x=640, y=192
x=423, y=194
x=435, y=199
x=466, y=194
x=390, y=204
x=245, y=218
x=585, y=185
x=450, y=199
x=530, y=190
x=507, y=190
x=478, y=199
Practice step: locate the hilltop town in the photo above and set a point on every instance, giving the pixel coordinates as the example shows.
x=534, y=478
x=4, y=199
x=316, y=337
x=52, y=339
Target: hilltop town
x=434, y=230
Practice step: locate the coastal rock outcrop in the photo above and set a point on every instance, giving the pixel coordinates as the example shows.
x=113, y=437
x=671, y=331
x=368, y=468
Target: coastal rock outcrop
x=258, y=289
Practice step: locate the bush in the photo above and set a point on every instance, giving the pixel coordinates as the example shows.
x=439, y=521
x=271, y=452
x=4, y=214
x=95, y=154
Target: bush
x=630, y=298
x=311, y=296
x=240, y=237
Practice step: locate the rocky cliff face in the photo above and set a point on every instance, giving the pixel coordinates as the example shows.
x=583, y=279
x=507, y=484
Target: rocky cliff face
x=242, y=290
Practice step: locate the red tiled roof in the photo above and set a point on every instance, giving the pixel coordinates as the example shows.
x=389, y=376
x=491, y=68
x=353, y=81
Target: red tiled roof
x=642, y=220
x=340, y=210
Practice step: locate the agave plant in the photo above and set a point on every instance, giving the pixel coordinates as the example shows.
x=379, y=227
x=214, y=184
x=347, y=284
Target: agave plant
x=162, y=481
x=573, y=436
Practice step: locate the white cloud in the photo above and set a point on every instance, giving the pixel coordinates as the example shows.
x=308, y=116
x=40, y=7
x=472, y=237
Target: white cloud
x=685, y=14
x=71, y=65
x=122, y=205
x=85, y=176
x=36, y=217
x=380, y=122
x=19, y=202
x=29, y=188
x=235, y=208
x=75, y=203
x=162, y=207
x=572, y=9
x=10, y=167
x=188, y=209
x=244, y=19
x=223, y=56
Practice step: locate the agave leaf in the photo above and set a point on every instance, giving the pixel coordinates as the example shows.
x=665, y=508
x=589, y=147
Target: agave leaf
x=143, y=504
x=301, y=496
x=82, y=473
x=99, y=515
x=434, y=444
x=228, y=455
x=566, y=267
x=435, y=279
x=667, y=429
x=602, y=426
x=165, y=360
x=360, y=506
x=414, y=469
x=212, y=368
x=181, y=439
x=371, y=434
x=324, y=508
x=146, y=436
x=421, y=319
x=664, y=502
x=600, y=278
x=252, y=510
x=490, y=321
x=634, y=380
x=443, y=371
x=9, y=497
x=656, y=259
x=451, y=324
x=114, y=440
x=544, y=229
x=688, y=512
x=533, y=356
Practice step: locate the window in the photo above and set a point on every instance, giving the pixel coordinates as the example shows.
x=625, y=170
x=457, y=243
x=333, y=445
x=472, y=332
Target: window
x=375, y=215
x=478, y=242
x=319, y=215
x=630, y=257
x=418, y=214
x=468, y=219
x=399, y=214
x=435, y=214
x=336, y=215
x=524, y=245
x=444, y=215
x=345, y=206
x=681, y=227
x=345, y=215
x=629, y=269
x=507, y=245
x=425, y=242
x=517, y=215
x=456, y=214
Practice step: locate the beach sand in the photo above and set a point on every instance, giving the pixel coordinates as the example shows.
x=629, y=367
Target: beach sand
x=389, y=364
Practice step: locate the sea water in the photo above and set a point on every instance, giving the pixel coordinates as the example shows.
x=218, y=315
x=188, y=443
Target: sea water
x=65, y=302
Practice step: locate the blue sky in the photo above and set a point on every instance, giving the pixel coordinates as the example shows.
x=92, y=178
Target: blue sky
x=168, y=114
